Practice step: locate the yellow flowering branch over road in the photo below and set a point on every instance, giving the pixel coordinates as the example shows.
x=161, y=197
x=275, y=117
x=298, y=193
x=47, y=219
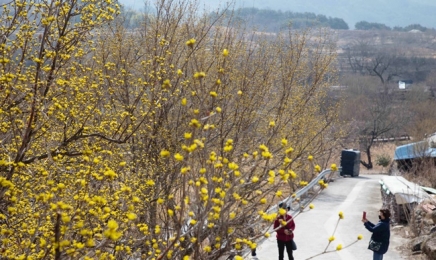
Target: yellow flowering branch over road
x=332, y=238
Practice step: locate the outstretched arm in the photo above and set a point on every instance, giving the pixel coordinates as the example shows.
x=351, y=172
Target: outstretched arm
x=374, y=228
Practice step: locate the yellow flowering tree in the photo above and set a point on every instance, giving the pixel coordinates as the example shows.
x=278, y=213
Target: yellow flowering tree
x=169, y=140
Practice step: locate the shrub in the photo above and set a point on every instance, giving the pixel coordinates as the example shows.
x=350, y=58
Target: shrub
x=383, y=160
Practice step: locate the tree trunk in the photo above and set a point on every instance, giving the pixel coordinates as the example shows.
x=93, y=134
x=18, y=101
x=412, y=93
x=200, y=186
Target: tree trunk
x=368, y=165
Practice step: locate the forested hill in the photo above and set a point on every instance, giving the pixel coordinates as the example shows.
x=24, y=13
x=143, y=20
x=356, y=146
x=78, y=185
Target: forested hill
x=390, y=12
x=272, y=20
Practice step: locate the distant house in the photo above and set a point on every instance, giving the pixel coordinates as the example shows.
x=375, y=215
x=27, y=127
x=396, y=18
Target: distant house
x=404, y=84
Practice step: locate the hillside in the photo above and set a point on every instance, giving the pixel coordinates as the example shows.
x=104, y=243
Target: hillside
x=389, y=12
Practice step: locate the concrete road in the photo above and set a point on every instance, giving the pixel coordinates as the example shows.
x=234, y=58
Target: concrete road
x=352, y=196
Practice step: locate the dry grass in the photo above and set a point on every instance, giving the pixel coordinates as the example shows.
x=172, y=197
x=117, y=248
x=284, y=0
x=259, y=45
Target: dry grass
x=377, y=150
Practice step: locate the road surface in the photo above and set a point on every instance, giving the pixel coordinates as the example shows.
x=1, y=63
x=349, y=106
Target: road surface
x=352, y=196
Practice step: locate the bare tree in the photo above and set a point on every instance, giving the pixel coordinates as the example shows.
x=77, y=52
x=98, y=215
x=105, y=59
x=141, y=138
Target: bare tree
x=373, y=114
x=368, y=59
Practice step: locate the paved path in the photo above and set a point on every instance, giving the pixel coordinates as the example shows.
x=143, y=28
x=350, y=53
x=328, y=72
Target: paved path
x=352, y=196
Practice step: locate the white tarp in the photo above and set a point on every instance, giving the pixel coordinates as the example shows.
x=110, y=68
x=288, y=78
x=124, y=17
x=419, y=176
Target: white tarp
x=403, y=190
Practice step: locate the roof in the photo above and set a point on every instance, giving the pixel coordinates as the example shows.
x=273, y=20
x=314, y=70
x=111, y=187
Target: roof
x=429, y=190
x=404, y=191
x=414, y=150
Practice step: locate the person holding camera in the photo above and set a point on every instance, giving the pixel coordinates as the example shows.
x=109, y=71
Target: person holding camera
x=285, y=234
x=379, y=242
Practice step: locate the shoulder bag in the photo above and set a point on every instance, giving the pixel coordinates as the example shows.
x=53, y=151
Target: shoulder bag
x=374, y=246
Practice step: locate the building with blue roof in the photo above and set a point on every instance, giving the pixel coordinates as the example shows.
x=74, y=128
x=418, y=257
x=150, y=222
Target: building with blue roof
x=406, y=155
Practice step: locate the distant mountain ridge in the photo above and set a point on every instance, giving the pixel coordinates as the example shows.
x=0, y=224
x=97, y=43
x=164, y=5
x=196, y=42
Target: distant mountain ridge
x=389, y=12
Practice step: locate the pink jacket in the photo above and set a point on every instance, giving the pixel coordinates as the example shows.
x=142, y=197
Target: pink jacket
x=281, y=231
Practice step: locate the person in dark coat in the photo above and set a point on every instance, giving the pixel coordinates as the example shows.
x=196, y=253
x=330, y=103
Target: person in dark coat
x=380, y=234
x=285, y=233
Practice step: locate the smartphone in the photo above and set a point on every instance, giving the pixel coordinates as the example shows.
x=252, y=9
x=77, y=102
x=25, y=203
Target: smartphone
x=364, y=215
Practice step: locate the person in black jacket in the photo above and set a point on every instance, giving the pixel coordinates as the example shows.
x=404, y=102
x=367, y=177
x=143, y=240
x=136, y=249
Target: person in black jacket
x=381, y=233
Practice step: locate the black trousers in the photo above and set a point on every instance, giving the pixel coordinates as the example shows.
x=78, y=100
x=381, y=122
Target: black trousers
x=282, y=245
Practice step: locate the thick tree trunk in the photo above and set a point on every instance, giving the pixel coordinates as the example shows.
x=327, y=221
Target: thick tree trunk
x=368, y=165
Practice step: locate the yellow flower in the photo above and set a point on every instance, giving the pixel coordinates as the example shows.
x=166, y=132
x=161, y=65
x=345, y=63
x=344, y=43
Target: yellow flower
x=359, y=237
x=190, y=43
x=303, y=183
x=233, y=166
x=195, y=123
x=178, y=157
x=164, y=153
x=111, y=232
x=184, y=102
x=240, y=92
x=193, y=222
x=232, y=215
x=317, y=168
x=170, y=212
x=166, y=83
x=267, y=155
x=66, y=219
x=272, y=124
x=213, y=94
x=339, y=247
x=267, y=235
x=341, y=215
x=131, y=216
x=225, y=52
x=218, y=109
x=184, y=170
x=279, y=193
x=310, y=158
x=263, y=201
x=263, y=147
x=90, y=243
x=255, y=179
x=199, y=75
x=179, y=72
x=207, y=249
x=334, y=167
x=311, y=206
x=331, y=238
x=284, y=142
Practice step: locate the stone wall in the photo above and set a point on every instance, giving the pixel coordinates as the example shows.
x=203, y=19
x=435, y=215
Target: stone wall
x=400, y=214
